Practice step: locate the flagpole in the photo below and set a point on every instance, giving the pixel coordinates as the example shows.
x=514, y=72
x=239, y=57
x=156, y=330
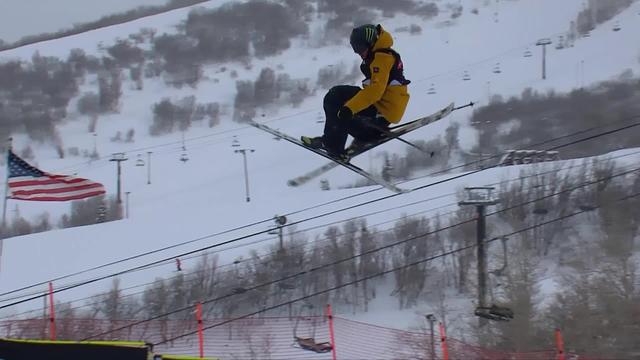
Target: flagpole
x=4, y=203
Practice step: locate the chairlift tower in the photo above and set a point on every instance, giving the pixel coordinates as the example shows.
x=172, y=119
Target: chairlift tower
x=246, y=170
x=480, y=197
x=119, y=157
x=280, y=221
x=431, y=319
x=149, y=167
x=127, y=204
x=544, y=42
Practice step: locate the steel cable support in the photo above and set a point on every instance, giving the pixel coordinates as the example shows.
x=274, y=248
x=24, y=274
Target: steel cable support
x=374, y=251
x=460, y=249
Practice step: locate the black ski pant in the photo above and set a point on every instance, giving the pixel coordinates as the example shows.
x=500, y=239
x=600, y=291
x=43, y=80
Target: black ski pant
x=367, y=125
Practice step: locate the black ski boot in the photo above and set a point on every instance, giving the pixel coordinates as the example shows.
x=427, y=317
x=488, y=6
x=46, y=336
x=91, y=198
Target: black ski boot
x=318, y=143
x=356, y=147
x=313, y=142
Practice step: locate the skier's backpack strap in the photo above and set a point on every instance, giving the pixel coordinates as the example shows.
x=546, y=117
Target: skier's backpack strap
x=397, y=71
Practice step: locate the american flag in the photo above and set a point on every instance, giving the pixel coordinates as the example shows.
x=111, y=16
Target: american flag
x=29, y=183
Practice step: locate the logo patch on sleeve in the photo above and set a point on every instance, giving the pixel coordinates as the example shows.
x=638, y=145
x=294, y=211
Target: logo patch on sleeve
x=376, y=69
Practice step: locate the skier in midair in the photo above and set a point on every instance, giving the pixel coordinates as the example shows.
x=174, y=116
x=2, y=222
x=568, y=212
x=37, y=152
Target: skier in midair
x=364, y=113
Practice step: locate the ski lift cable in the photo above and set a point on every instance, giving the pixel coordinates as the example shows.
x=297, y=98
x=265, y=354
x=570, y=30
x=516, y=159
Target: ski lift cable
x=333, y=223
x=455, y=72
x=502, y=210
x=518, y=48
x=549, y=141
x=297, y=232
x=421, y=201
x=420, y=236
x=353, y=282
x=304, y=220
x=260, y=241
x=271, y=238
x=179, y=142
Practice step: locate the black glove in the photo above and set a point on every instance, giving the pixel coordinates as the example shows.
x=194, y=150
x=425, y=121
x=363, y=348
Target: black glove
x=345, y=114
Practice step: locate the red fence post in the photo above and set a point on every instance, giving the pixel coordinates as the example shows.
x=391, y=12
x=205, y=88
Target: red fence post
x=200, y=334
x=559, y=346
x=443, y=342
x=331, y=333
x=52, y=316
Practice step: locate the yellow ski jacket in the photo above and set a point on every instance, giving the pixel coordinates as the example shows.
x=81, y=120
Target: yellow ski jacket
x=384, y=86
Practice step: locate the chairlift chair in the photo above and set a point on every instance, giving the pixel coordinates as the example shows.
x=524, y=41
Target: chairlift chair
x=496, y=69
x=587, y=207
x=309, y=343
x=528, y=53
x=466, y=76
x=494, y=312
x=432, y=90
x=184, y=157
x=286, y=286
x=139, y=161
x=235, y=142
x=616, y=26
x=540, y=211
x=552, y=156
x=508, y=158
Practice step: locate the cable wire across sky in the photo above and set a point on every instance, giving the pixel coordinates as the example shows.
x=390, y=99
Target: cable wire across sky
x=172, y=258
x=356, y=281
x=369, y=252
x=302, y=231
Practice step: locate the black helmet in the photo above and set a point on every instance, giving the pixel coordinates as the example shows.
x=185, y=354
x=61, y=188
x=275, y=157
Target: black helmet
x=363, y=37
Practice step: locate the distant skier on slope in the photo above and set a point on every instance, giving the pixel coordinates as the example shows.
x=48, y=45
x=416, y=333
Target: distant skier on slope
x=364, y=113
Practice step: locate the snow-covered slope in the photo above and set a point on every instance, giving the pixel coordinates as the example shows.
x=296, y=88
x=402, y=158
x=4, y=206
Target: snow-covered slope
x=193, y=201
x=33, y=17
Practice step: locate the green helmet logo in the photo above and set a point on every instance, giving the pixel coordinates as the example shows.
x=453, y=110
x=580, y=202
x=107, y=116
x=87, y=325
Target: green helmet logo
x=363, y=37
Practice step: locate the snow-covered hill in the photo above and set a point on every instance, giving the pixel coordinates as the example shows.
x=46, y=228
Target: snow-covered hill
x=44, y=17
x=198, y=201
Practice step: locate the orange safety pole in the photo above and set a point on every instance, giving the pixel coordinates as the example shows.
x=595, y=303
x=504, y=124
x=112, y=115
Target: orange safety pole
x=331, y=333
x=443, y=342
x=559, y=346
x=200, y=334
x=52, y=316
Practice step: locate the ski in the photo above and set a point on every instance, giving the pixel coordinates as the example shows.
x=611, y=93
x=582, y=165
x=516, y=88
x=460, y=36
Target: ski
x=376, y=179
x=394, y=132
